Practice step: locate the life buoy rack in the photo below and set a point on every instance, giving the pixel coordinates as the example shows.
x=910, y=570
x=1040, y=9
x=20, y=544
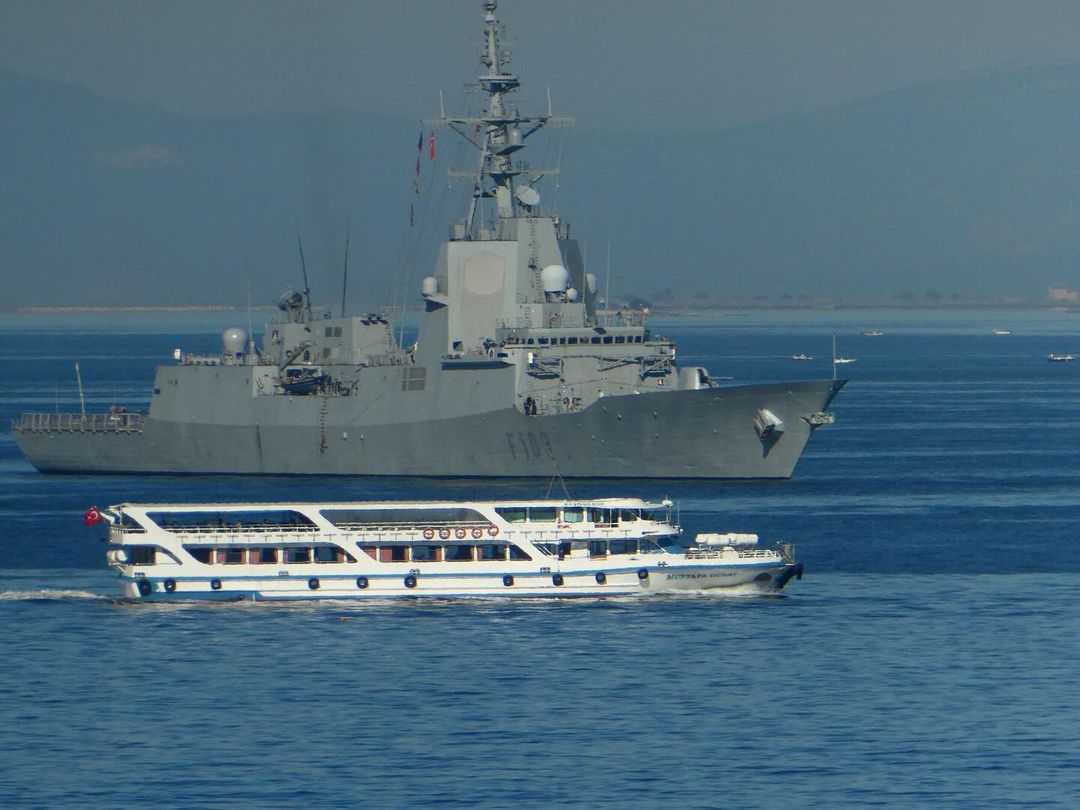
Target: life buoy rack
x=410, y=581
x=557, y=579
x=477, y=533
x=429, y=533
x=170, y=585
x=145, y=587
x=459, y=533
x=601, y=577
x=508, y=580
x=444, y=533
x=313, y=583
x=361, y=582
x=215, y=584
x=493, y=531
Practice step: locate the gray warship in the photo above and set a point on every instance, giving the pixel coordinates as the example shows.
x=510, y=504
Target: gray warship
x=517, y=371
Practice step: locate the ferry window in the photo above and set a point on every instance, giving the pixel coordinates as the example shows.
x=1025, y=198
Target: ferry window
x=530, y=342
x=542, y=341
x=511, y=514
x=143, y=555
x=572, y=341
x=425, y=553
x=327, y=554
x=624, y=546
x=620, y=339
x=458, y=553
x=234, y=556
x=627, y=515
x=518, y=554
x=393, y=554
x=371, y=551
x=602, y=517
x=298, y=555
x=328, y=331
x=573, y=514
x=607, y=338
x=637, y=338
x=199, y=554
x=551, y=549
x=337, y=331
x=595, y=340
x=562, y=341
x=597, y=548
x=542, y=514
x=491, y=552
x=266, y=555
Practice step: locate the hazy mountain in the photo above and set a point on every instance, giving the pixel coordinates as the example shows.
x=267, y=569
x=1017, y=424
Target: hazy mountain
x=971, y=185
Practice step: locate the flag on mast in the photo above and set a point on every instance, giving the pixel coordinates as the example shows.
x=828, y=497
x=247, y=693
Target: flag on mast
x=431, y=146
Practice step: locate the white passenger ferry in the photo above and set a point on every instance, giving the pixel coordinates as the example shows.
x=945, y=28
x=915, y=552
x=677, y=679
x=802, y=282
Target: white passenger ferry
x=611, y=546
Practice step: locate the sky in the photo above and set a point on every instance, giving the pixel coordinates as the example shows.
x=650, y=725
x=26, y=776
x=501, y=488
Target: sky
x=627, y=64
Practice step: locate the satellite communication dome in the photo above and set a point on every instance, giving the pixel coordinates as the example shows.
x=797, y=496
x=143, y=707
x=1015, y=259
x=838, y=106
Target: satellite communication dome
x=233, y=340
x=571, y=294
x=590, y=283
x=555, y=278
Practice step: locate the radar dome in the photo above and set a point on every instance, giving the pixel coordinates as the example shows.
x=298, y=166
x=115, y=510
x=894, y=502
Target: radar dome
x=233, y=340
x=555, y=278
x=527, y=195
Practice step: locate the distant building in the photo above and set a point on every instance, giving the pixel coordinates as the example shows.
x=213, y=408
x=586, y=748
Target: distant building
x=1064, y=295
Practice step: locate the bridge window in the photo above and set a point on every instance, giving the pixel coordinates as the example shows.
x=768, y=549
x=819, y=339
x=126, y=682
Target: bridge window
x=511, y=514
x=573, y=514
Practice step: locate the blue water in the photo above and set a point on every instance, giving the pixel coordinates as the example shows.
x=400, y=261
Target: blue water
x=928, y=657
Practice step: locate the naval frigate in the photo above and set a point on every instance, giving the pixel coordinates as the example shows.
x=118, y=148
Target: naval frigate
x=516, y=371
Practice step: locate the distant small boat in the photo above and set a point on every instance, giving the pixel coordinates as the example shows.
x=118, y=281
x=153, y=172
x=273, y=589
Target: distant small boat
x=1002, y=331
x=801, y=356
x=872, y=332
x=839, y=360
x=1059, y=358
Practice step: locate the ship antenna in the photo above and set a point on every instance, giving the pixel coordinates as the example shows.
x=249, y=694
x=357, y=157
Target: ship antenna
x=345, y=274
x=82, y=399
x=834, y=355
x=303, y=268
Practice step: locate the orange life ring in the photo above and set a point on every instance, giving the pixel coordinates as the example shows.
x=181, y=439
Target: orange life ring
x=493, y=531
x=429, y=533
x=444, y=533
x=477, y=534
x=459, y=533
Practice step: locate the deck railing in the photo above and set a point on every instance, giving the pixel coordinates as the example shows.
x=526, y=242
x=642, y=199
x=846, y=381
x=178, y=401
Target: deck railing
x=80, y=423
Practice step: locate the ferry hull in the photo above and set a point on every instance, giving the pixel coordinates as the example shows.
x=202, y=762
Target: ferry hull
x=743, y=579
x=710, y=433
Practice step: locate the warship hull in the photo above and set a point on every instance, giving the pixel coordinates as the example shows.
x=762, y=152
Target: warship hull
x=707, y=434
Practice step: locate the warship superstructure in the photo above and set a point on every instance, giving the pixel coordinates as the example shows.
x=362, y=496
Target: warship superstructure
x=517, y=371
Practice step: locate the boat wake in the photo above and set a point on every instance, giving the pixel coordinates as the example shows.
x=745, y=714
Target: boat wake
x=51, y=595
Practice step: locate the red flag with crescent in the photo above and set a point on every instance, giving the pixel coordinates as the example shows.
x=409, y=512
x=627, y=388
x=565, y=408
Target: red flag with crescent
x=91, y=516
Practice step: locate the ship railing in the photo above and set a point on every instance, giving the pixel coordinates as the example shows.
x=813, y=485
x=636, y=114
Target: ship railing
x=714, y=552
x=125, y=422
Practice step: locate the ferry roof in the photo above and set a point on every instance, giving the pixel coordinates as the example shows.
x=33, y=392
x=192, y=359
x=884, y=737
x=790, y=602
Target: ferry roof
x=302, y=505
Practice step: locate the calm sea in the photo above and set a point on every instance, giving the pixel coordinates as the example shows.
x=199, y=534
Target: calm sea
x=929, y=657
